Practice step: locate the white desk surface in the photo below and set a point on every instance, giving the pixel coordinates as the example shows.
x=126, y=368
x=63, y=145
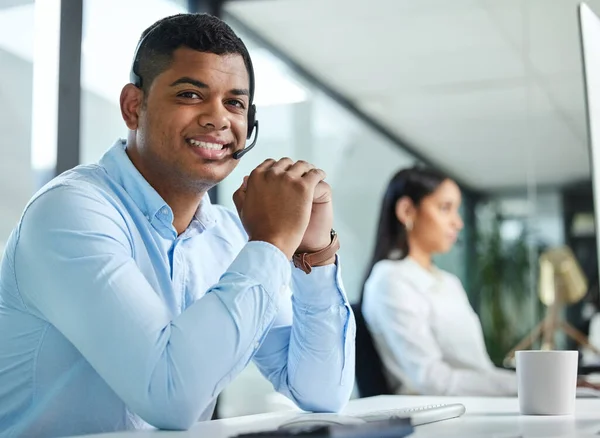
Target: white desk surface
x=484, y=417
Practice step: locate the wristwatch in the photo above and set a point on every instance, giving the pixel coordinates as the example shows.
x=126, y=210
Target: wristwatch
x=307, y=260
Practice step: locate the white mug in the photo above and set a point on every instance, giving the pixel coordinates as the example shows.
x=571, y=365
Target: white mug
x=547, y=382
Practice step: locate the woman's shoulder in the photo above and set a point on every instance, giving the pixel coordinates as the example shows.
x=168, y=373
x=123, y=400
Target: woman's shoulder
x=400, y=264
x=397, y=268
x=450, y=278
x=393, y=281
x=394, y=274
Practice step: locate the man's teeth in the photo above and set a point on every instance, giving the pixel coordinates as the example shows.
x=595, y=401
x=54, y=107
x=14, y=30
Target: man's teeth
x=205, y=145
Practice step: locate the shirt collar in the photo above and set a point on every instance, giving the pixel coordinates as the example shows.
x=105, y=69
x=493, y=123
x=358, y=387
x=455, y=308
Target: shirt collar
x=152, y=205
x=205, y=216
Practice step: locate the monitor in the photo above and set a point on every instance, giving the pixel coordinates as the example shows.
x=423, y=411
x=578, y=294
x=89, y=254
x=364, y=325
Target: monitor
x=589, y=29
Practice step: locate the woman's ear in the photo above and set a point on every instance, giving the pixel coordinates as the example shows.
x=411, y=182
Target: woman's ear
x=405, y=212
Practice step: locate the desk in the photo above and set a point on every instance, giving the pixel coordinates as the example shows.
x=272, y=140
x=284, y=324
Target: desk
x=485, y=417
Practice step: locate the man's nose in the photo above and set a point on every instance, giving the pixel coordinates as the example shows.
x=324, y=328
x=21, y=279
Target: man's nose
x=215, y=116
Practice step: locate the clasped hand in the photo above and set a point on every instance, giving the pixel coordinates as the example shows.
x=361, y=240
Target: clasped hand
x=286, y=204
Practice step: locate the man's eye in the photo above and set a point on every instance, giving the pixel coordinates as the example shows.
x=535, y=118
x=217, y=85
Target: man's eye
x=237, y=103
x=189, y=95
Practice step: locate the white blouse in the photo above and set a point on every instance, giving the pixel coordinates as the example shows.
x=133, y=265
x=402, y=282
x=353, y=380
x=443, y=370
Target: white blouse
x=429, y=338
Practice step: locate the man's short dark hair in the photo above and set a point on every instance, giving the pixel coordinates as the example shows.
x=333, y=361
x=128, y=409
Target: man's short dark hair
x=201, y=32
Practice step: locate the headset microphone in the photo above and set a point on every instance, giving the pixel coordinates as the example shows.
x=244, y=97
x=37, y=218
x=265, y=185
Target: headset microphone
x=239, y=154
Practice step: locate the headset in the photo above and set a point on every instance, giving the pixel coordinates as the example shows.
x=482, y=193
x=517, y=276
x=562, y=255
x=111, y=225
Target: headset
x=136, y=80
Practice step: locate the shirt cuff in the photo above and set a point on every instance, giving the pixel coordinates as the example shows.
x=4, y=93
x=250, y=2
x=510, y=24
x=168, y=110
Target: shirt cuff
x=323, y=287
x=266, y=264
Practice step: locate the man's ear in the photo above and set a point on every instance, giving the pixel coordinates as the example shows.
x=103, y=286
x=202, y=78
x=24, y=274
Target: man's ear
x=131, y=103
x=405, y=210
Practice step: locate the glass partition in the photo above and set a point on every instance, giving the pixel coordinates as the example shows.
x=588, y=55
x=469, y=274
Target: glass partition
x=17, y=177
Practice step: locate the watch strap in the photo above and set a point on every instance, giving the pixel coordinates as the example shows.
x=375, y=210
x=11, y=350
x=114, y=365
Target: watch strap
x=307, y=260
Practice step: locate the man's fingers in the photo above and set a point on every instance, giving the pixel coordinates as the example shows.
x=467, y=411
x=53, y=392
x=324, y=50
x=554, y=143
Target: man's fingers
x=299, y=168
x=283, y=164
x=262, y=168
x=265, y=164
x=314, y=176
x=239, y=196
x=322, y=193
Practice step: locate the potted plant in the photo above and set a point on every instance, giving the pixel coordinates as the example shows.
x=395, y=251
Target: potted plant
x=503, y=279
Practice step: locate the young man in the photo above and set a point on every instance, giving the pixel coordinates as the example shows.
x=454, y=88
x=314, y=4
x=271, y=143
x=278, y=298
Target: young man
x=128, y=300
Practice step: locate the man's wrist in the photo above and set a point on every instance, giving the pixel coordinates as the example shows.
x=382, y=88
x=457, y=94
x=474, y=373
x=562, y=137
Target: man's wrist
x=317, y=246
x=276, y=243
x=326, y=256
x=330, y=261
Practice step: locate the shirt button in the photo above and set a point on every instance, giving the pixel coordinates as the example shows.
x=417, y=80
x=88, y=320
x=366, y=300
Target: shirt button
x=256, y=345
x=164, y=211
x=148, y=216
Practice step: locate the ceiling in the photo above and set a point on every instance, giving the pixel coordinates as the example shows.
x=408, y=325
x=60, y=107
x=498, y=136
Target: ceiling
x=489, y=90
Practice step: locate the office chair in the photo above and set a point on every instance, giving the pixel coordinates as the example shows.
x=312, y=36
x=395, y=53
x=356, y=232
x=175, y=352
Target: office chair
x=370, y=378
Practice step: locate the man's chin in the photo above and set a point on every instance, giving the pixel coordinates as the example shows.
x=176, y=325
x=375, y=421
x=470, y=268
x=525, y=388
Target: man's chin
x=212, y=172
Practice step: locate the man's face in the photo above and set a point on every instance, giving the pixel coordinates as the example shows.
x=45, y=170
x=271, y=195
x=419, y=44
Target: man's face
x=194, y=119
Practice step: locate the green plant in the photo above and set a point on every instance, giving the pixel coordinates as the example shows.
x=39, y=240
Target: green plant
x=503, y=279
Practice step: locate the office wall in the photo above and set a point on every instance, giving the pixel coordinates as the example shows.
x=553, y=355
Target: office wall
x=101, y=126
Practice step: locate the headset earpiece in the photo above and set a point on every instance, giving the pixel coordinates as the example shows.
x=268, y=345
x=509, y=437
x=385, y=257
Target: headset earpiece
x=251, y=120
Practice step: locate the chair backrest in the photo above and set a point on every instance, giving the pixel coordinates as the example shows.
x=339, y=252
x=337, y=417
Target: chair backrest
x=370, y=378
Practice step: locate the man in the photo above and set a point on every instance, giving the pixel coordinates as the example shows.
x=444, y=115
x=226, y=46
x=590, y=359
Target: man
x=128, y=300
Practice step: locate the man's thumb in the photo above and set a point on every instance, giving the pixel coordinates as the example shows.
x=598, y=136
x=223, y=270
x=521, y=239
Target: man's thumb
x=239, y=196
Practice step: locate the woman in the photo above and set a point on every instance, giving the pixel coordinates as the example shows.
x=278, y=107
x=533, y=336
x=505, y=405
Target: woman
x=429, y=338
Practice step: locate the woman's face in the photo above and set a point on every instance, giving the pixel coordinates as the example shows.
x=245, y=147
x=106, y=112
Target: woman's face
x=436, y=220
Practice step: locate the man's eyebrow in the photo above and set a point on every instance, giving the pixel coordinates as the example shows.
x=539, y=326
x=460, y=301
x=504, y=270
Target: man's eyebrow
x=189, y=81
x=240, y=92
x=199, y=84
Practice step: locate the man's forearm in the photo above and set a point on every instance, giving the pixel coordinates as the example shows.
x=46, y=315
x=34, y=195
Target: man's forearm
x=321, y=355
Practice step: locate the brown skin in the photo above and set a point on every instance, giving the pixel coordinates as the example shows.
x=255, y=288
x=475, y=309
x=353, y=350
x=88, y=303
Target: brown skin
x=434, y=224
x=311, y=210
x=293, y=211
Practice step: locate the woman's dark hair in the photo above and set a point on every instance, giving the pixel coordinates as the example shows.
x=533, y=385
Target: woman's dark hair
x=415, y=183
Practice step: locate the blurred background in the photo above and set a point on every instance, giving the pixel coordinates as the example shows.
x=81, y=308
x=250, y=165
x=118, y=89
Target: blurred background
x=489, y=91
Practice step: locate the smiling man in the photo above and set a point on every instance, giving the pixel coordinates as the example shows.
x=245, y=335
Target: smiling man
x=128, y=300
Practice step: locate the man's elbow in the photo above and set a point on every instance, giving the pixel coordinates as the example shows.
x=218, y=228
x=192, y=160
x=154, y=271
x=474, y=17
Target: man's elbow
x=171, y=414
x=333, y=401
x=169, y=419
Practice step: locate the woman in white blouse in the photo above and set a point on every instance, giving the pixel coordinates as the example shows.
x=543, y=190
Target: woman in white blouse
x=429, y=338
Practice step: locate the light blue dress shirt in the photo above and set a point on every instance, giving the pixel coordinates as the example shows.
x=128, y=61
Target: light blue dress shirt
x=111, y=321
